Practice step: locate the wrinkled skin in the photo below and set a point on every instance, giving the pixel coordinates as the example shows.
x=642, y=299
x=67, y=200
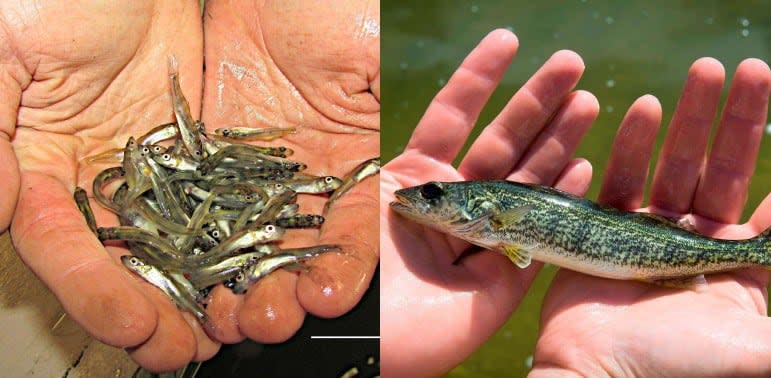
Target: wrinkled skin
x=71, y=91
x=315, y=65
x=590, y=326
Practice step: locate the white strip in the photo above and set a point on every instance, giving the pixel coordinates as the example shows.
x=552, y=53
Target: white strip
x=345, y=337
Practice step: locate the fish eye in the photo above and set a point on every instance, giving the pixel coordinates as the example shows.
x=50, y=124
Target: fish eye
x=253, y=258
x=431, y=190
x=215, y=233
x=157, y=149
x=225, y=132
x=240, y=277
x=270, y=228
x=328, y=179
x=279, y=186
x=145, y=150
x=134, y=261
x=197, y=153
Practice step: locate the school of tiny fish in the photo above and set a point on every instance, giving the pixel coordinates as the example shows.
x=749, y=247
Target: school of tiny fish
x=209, y=208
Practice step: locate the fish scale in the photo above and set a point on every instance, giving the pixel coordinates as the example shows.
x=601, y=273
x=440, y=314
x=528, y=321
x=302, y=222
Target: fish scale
x=575, y=233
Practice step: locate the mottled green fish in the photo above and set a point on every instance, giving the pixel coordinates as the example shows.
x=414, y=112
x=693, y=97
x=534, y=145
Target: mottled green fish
x=526, y=221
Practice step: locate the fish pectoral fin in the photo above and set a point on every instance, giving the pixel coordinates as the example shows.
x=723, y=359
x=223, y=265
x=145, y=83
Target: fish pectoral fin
x=517, y=255
x=695, y=283
x=509, y=217
x=474, y=225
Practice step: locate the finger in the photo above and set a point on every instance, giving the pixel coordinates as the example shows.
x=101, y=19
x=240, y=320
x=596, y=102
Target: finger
x=173, y=343
x=451, y=115
x=223, y=310
x=337, y=281
x=682, y=156
x=53, y=239
x=554, y=147
x=508, y=136
x=722, y=190
x=206, y=348
x=761, y=217
x=627, y=170
x=271, y=313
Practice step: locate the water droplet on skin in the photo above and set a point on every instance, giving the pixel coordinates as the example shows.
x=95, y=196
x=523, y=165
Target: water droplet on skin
x=474, y=8
x=745, y=32
x=609, y=20
x=327, y=291
x=610, y=83
x=609, y=109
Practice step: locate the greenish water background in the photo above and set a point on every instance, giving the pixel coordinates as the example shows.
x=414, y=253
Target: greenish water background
x=630, y=49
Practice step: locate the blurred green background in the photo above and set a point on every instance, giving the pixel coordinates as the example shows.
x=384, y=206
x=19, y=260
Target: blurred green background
x=630, y=48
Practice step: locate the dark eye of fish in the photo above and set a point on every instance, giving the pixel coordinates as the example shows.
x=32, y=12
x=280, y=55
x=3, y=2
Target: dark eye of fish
x=431, y=191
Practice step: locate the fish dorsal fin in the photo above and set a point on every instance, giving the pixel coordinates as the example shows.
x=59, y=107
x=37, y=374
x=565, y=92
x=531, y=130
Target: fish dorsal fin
x=509, y=217
x=517, y=255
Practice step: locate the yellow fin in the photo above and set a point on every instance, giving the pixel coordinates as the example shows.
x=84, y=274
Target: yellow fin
x=695, y=283
x=509, y=217
x=517, y=255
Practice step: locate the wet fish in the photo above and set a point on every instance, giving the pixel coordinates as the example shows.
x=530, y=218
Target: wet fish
x=526, y=221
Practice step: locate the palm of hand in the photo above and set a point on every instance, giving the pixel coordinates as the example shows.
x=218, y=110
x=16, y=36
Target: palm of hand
x=253, y=79
x=88, y=93
x=593, y=326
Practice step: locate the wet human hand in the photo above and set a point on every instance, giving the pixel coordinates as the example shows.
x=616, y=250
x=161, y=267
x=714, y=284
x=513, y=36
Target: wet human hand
x=433, y=313
x=78, y=80
x=593, y=326
x=314, y=66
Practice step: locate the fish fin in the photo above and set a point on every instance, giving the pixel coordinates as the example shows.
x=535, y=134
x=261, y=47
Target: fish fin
x=695, y=283
x=509, y=217
x=517, y=255
x=475, y=225
x=686, y=224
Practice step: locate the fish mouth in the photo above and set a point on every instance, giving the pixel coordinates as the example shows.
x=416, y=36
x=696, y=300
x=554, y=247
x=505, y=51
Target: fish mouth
x=402, y=204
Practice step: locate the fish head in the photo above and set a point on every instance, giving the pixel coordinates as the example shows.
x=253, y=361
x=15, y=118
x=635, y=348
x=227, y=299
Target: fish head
x=436, y=204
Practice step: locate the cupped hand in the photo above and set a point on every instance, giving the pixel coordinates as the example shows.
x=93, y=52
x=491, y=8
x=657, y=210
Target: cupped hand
x=78, y=80
x=598, y=327
x=434, y=314
x=314, y=66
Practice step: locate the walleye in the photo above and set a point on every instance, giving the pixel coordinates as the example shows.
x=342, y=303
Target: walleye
x=526, y=221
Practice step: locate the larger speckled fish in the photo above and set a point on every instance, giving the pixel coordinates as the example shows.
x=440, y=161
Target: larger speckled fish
x=531, y=221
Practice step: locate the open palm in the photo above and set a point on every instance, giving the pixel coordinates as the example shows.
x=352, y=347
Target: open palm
x=314, y=66
x=433, y=313
x=70, y=92
x=597, y=327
